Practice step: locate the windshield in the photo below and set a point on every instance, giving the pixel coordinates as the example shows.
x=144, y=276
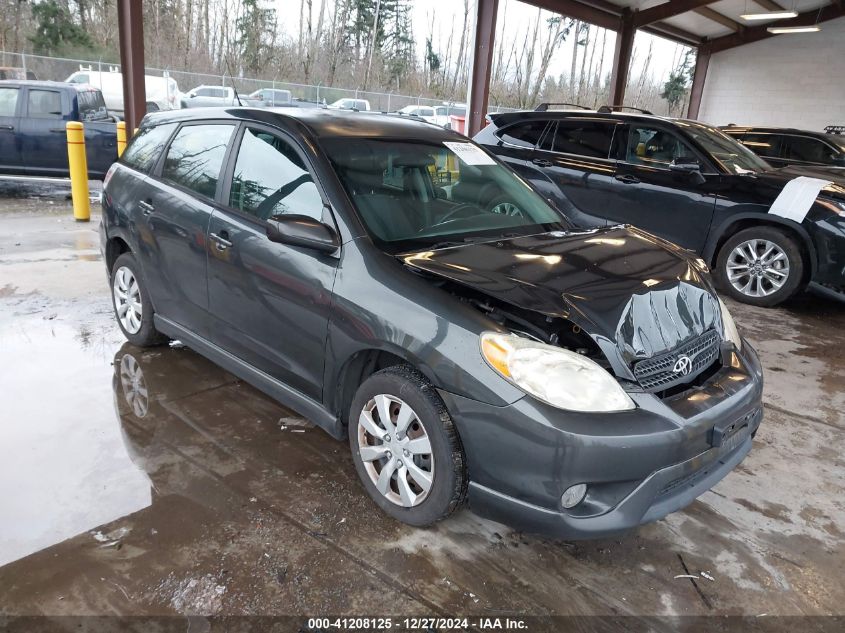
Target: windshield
x=412, y=194
x=732, y=155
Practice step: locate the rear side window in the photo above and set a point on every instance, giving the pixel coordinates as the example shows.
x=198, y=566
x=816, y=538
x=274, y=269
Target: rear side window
x=195, y=157
x=8, y=101
x=146, y=146
x=45, y=104
x=524, y=134
x=592, y=139
x=766, y=145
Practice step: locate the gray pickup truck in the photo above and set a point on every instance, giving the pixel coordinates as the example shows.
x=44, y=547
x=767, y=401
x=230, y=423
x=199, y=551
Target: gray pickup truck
x=33, y=140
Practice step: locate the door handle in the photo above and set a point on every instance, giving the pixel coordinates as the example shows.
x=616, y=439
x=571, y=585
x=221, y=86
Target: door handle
x=628, y=179
x=542, y=162
x=221, y=240
x=146, y=207
x=11, y=128
x=57, y=130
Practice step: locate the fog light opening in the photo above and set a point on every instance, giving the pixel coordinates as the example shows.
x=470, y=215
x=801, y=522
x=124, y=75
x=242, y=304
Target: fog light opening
x=573, y=495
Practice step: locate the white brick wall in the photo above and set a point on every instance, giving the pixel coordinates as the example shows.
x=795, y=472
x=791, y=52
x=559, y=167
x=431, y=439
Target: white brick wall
x=785, y=80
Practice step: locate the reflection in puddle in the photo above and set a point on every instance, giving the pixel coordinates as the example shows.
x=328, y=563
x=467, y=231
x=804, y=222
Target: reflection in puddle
x=64, y=468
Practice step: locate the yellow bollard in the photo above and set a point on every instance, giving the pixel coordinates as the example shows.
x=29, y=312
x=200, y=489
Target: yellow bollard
x=78, y=164
x=121, y=137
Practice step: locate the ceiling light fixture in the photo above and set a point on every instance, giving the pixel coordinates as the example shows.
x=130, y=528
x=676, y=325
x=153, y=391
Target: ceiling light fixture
x=770, y=15
x=780, y=30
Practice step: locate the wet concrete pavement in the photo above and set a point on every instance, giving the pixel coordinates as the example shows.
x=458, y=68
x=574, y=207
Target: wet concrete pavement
x=153, y=482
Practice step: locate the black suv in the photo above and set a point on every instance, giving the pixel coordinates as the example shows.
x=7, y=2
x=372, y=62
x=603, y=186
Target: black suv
x=569, y=381
x=788, y=146
x=767, y=232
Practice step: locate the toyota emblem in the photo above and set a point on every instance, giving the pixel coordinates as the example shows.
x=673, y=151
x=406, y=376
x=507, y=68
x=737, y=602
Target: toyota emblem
x=683, y=366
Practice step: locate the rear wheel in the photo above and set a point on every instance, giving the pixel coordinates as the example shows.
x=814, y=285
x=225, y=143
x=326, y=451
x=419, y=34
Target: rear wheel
x=405, y=447
x=132, y=306
x=761, y=266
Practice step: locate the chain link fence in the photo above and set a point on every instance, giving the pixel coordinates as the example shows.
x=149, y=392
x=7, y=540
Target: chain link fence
x=59, y=69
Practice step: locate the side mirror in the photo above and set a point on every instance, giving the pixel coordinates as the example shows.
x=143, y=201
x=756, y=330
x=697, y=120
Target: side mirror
x=191, y=95
x=304, y=231
x=685, y=165
x=688, y=168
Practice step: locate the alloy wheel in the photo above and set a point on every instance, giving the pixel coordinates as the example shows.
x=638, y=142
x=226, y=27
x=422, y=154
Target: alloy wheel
x=757, y=268
x=395, y=450
x=127, y=299
x=507, y=208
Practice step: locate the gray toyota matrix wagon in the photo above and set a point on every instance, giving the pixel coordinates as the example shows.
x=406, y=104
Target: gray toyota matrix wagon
x=397, y=285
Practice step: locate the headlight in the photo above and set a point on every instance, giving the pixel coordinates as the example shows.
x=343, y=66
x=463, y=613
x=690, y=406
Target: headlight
x=729, y=327
x=554, y=375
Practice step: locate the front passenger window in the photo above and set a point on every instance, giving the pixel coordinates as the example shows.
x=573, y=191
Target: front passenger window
x=271, y=179
x=655, y=148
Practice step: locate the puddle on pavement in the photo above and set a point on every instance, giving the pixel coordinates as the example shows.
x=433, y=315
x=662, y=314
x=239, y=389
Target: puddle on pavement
x=152, y=481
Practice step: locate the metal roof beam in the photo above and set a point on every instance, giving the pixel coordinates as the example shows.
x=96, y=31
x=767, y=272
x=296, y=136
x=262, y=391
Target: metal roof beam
x=667, y=10
x=715, y=16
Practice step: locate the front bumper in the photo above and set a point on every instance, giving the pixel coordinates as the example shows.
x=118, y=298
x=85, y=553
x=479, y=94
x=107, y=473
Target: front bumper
x=638, y=465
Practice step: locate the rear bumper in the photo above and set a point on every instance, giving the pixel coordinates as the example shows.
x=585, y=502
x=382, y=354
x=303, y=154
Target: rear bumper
x=639, y=466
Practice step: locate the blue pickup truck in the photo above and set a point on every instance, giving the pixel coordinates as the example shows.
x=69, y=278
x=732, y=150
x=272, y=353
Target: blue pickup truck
x=33, y=115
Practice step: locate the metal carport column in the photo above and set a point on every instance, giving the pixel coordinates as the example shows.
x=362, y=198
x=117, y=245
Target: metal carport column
x=130, y=23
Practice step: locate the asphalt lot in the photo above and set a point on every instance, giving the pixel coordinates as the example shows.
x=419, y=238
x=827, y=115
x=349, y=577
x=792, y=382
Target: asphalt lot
x=152, y=482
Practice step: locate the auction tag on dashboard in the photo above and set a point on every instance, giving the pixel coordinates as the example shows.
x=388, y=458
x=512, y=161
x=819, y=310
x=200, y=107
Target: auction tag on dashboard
x=469, y=153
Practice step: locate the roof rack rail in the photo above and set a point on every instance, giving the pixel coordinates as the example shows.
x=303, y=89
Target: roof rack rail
x=835, y=129
x=543, y=107
x=607, y=109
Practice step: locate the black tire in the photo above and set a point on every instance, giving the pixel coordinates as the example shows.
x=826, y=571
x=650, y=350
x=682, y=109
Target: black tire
x=449, y=481
x=146, y=335
x=501, y=202
x=794, y=258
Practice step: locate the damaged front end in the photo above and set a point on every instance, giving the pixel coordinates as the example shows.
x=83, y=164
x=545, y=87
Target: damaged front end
x=635, y=305
x=662, y=405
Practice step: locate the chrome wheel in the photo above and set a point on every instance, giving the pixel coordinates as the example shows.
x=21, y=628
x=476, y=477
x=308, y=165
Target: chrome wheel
x=507, y=208
x=127, y=299
x=134, y=386
x=757, y=268
x=395, y=450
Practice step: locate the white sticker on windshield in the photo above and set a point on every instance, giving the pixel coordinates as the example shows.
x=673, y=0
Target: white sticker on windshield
x=469, y=153
x=796, y=198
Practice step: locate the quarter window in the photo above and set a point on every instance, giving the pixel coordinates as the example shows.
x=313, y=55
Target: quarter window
x=8, y=101
x=658, y=148
x=271, y=179
x=590, y=139
x=195, y=157
x=524, y=134
x=45, y=104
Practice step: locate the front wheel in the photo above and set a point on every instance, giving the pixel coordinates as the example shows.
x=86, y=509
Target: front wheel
x=761, y=266
x=405, y=447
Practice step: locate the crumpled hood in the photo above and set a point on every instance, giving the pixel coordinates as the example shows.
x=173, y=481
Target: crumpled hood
x=635, y=294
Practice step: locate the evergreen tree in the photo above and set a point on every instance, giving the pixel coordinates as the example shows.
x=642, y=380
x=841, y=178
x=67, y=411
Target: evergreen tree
x=55, y=30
